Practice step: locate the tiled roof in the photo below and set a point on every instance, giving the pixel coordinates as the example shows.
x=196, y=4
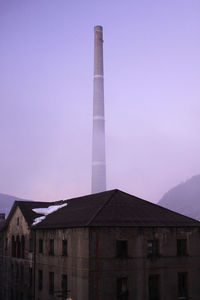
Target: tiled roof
x=114, y=209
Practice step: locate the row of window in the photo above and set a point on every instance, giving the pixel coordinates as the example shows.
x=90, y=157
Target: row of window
x=152, y=248
x=51, y=247
x=18, y=246
x=62, y=292
x=154, y=287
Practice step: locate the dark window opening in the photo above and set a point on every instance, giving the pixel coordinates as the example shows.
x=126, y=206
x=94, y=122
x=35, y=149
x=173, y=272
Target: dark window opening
x=17, y=270
x=153, y=248
x=64, y=247
x=64, y=286
x=40, y=280
x=51, y=283
x=17, y=221
x=40, y=246
x=122, y=288
x=154, y=287
x=30, y=277
x=18, y=246
x=12, y=270
x=22, y=273
x=6, y=244
x=122, y=249
x=182, y=286
x=51, y=247
x=13, y=246
x=23, y=247
x=182, y=247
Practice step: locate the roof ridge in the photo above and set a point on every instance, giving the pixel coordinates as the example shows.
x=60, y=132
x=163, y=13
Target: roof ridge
x=100, y=208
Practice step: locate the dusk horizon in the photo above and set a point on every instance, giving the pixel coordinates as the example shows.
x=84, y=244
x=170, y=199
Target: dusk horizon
x=151, y=78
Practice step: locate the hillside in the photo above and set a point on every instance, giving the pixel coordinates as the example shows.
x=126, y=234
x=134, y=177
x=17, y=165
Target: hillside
x=6, y=202
x=184, y=198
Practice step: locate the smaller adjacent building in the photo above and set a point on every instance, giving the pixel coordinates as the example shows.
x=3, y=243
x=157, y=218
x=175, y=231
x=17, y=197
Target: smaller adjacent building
x=109, y=245
x=17, y=252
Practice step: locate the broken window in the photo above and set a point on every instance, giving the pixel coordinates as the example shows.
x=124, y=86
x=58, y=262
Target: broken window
x=122, y=288
x=182, y=286
x=51, y=283
x=154, y=287
x=51, y=247
x=182, y=247
x=64, y=247
x=122, y=248
x=153, y=248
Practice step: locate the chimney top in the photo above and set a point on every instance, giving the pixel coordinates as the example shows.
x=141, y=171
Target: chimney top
x=98, y=28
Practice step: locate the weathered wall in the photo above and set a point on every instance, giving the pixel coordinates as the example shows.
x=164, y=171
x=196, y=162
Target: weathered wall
x=17, y=269
x=106, y=268
x=75, y=265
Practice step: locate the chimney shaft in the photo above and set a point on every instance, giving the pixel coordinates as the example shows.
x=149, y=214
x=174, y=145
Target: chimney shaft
x=98, y=140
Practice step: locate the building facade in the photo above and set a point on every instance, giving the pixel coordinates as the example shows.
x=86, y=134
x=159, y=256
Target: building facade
x=105, y=246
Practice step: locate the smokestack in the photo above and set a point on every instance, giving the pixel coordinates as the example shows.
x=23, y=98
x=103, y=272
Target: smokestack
x=98, y=139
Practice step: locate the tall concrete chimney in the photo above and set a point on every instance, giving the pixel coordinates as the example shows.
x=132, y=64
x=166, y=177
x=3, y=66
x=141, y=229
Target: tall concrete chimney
x=98, y=139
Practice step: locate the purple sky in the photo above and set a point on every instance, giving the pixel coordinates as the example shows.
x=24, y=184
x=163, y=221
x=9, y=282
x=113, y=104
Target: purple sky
x=152, y=95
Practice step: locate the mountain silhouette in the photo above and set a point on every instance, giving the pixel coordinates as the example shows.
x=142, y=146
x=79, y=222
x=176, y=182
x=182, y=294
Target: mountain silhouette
x=184, y=198
x=6, y=202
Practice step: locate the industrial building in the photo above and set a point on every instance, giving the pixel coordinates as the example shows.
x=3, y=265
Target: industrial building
x=109, y=245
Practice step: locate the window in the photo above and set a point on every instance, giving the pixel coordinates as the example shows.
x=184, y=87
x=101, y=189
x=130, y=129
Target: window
x=22, y=273
x=51, y=283
x=40, y=246
x=18, y=246
x=6, y=244
x=122, y=249
x=13, y=246
x=64, y=247
x=30, y=277
x=51, y=247
x=40, y=280
x=182, y=247
x=64, y=286
x=23, y=247
x=122, y=288
x=182, y=286
x=17, y=221
x=154, y=287
x=17, y=270
x=153, y=248
x=12, y=270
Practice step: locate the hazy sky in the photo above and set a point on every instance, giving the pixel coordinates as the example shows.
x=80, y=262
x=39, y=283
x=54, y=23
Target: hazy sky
x=152, y=95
